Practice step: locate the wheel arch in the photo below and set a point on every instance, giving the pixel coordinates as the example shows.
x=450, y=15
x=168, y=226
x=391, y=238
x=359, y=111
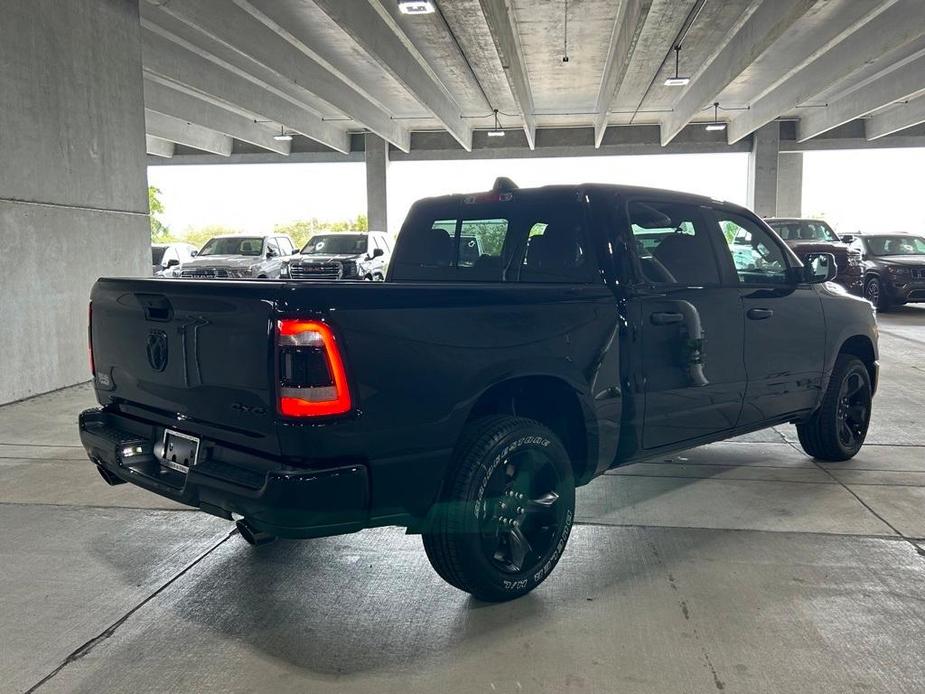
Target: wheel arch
x=553, y=402
x=862, y=347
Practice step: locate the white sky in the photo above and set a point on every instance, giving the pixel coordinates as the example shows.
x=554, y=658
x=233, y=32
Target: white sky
x=861, y=189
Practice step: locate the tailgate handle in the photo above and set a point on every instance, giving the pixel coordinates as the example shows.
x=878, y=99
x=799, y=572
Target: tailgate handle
x=157, y=307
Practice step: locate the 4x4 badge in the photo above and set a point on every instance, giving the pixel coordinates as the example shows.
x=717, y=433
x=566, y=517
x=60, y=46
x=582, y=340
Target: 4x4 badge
x=157, y=350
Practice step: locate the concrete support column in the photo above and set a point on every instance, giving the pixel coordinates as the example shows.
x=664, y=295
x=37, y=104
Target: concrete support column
x=377, y=182
x=73, y=198
x=790, y=184
x=762, y=170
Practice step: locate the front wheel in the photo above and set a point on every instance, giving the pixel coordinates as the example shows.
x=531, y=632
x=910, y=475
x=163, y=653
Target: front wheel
x=873, y=292
x=506, y=511
x=838, y=428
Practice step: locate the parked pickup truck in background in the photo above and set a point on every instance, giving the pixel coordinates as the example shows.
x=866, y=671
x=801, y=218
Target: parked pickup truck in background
x=342, y=255
x=235, y=257
x=815, y=236
x=468, y=395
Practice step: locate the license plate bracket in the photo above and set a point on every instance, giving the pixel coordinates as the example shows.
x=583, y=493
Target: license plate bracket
x=181, y=451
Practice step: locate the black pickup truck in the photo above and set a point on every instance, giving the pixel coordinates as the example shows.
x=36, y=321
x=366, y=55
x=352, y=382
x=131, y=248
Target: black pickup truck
x=466, y=396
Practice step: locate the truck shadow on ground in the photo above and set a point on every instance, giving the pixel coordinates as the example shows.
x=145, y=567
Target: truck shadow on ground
x=370, y=602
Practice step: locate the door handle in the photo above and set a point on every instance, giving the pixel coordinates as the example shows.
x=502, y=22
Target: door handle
x=666, y=318
x=760, y=313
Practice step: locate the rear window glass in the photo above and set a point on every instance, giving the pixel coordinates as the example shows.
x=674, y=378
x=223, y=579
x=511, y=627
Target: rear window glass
x=231, y=245
x=804, y=231
x=507, y=237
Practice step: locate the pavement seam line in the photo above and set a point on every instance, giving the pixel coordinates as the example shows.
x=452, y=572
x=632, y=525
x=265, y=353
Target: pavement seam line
x=648, y=526
x=109, y=631
x=101, y=507
x=911, y=541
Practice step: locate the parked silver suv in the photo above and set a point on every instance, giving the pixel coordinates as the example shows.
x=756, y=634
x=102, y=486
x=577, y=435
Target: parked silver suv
x=231, y=257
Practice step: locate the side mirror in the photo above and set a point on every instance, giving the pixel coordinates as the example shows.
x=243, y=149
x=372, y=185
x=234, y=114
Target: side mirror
x=271, y=253
x=173, y=262
x=819, y=268
x=847, y=238
x=193, y=254
x=378, y=253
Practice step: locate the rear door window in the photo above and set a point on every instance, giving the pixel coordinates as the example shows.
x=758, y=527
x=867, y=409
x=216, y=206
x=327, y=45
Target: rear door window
x=673, y=244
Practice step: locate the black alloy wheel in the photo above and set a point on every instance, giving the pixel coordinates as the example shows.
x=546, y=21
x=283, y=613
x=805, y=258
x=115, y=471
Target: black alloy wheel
x=873, y=292
x=853, y=411
x=837, y=430
x=506, y=510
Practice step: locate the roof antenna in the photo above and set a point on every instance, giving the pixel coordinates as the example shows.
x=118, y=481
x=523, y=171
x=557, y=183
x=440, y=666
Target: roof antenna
x=504, y=185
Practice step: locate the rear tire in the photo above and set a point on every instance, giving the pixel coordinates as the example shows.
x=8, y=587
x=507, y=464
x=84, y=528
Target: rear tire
x=838, y=428
x=506, y=510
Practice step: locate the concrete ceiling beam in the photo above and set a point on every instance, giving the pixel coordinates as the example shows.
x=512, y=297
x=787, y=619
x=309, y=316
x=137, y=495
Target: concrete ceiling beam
x=897, y=83
x=185, y=133
x=241, y=26
x=899, y=118
x=178, y=104
x=159, y=147
x=892, y=24
x=754, y=36
x=631, y=18
x=171, y=61
x=374, y=30
x=500, y=21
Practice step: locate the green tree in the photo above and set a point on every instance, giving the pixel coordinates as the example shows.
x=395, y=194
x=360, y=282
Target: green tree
x=159, y=231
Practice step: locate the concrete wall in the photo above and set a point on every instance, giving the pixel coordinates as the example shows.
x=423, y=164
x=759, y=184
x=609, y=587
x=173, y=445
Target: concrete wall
x=73, y=201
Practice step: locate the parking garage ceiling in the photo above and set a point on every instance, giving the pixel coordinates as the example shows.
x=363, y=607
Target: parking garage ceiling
x=281, y=76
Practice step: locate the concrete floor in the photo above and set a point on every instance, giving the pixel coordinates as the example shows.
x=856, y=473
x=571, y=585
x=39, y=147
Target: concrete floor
x=741, y=567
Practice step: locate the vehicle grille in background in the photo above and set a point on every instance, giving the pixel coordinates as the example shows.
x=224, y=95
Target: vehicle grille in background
x=316, y=271
x=205, y=273
x=918, y=273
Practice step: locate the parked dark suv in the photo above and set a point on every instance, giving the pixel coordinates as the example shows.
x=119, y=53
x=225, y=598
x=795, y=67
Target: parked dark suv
x=894, y=268
x=348, y=255
x=816, y=236
x=469, y=394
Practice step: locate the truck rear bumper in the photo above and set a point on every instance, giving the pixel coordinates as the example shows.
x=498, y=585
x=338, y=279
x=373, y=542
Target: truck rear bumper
x=274, y=498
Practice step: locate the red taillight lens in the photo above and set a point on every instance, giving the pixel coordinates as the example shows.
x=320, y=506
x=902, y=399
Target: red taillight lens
x=312, y=377
x=90, y=338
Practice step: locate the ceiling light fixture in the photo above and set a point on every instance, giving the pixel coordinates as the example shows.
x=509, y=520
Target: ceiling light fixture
x=677, y=80
x=283, y=135
x=716, y=124
x=497, y=131
x=416, y=6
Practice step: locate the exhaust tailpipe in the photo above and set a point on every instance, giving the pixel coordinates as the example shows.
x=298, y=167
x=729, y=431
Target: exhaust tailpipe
x=111, y=479
x=252, y=536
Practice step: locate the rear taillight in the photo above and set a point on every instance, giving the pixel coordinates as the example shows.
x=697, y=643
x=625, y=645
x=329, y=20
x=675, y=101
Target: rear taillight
x=312, y=378
x=90, y=338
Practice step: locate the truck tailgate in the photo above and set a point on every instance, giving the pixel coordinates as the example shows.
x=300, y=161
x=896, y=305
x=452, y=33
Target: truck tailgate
x=199, y=352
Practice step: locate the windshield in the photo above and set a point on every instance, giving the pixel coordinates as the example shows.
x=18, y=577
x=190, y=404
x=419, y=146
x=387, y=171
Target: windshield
x=804, y=231
x=157, y=254
x=236, y=245
x=336, y=244
x=896, y=245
